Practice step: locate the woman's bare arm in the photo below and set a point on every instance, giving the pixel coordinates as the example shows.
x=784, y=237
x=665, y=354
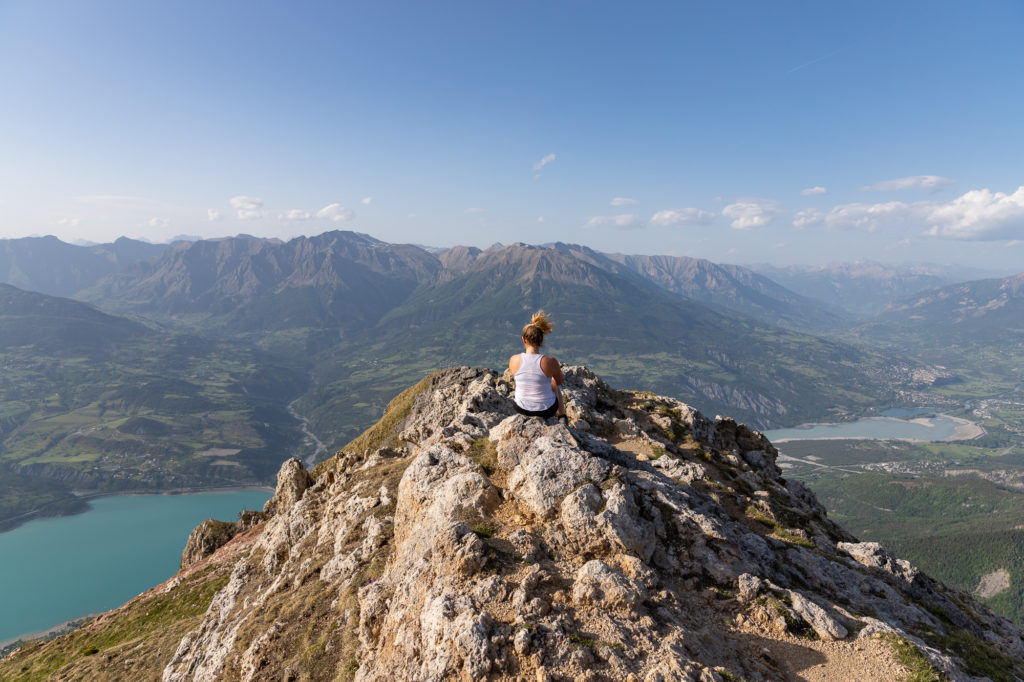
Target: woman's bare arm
x=551, y=368
x=513, y=364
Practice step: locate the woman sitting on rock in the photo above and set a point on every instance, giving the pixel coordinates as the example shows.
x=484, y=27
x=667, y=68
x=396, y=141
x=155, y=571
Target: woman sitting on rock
x=537, y=376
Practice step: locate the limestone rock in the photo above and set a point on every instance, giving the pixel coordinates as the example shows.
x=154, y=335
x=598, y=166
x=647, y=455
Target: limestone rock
x=211, y=535
x=292, y=481
x=818, y=618
x=598, y=585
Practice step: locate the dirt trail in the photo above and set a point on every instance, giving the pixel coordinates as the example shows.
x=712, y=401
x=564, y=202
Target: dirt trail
x=862, y=660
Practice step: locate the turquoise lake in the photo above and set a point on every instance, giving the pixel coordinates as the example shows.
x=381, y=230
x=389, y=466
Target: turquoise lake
x=60, y=569
x=894, y=425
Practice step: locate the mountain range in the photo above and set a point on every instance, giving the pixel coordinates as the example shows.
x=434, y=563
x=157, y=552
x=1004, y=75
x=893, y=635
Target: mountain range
x=317, y=333
x=984, y=312
x=864, y=288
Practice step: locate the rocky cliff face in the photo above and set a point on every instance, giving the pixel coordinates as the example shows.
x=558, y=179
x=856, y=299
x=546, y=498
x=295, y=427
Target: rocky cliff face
x=645, y=542
x=456, y=540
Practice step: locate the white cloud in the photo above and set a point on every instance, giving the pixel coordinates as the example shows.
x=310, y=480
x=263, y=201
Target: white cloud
x=543, y=162
x=814, y=191
x=365, y=201
x=979, y=214
x=69, y=222
x=622, y=220
x=682, y=216
x=623, y=201
x=751, y=213
x=336, y=213
x=297, y=214
x=540, y=219
x=158, y=223
x=913, y=182
x=470, y=211
x=809, y=217
x=247, y=208
x=867, y=217
x=213, y=214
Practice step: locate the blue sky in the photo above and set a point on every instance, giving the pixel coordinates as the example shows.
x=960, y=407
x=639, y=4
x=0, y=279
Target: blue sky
x=783, y=132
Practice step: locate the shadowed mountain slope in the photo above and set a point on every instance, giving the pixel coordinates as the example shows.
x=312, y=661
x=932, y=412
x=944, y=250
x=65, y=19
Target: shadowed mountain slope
x=863, y=288
x=99, y=403
x=735, y=288
x=50, y=266
x=336, y=279
x=60, y=326
x=985, y=313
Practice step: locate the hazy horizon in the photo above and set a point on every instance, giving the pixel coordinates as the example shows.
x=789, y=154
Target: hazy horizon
x=968, y=271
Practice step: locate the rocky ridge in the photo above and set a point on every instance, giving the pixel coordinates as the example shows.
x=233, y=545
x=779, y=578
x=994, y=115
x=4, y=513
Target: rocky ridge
x=457, y=540
x=644, y=542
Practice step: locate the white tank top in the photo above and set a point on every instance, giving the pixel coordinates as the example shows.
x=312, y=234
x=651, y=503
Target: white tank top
x=533, y=387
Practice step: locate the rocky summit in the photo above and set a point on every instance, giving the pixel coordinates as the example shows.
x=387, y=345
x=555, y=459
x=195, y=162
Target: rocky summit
x=457, y=540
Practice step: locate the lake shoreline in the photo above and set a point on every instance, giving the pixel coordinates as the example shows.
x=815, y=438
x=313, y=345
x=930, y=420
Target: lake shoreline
x=35, y=515
x=57, y=630
x=124, y=546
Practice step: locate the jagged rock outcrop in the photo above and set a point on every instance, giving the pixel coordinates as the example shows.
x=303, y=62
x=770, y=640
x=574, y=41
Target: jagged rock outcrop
x=644, y=542
x=211, y=535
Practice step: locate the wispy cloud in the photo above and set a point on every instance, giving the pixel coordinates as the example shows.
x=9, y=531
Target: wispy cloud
x=472, y=210
x=833, y=53
x=857, y=216
x=158, y=223
x=213, y=215
x=623, y=201
x=543, y=162
x=297, y=214
x=247, y=208
x=913, y=182
x=682, y=216
x=749, y=214
x=813, y=191
x=336, y=213
x=365, y=201
x=622, y=220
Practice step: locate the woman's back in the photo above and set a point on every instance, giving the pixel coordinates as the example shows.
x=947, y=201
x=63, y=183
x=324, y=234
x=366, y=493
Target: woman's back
x=533, y=386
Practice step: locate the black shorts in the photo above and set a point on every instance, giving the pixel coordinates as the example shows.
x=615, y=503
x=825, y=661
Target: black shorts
x=546, y=413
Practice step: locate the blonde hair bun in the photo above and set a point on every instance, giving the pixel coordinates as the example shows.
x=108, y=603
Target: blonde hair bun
x=534, y=332
x=541, y=322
